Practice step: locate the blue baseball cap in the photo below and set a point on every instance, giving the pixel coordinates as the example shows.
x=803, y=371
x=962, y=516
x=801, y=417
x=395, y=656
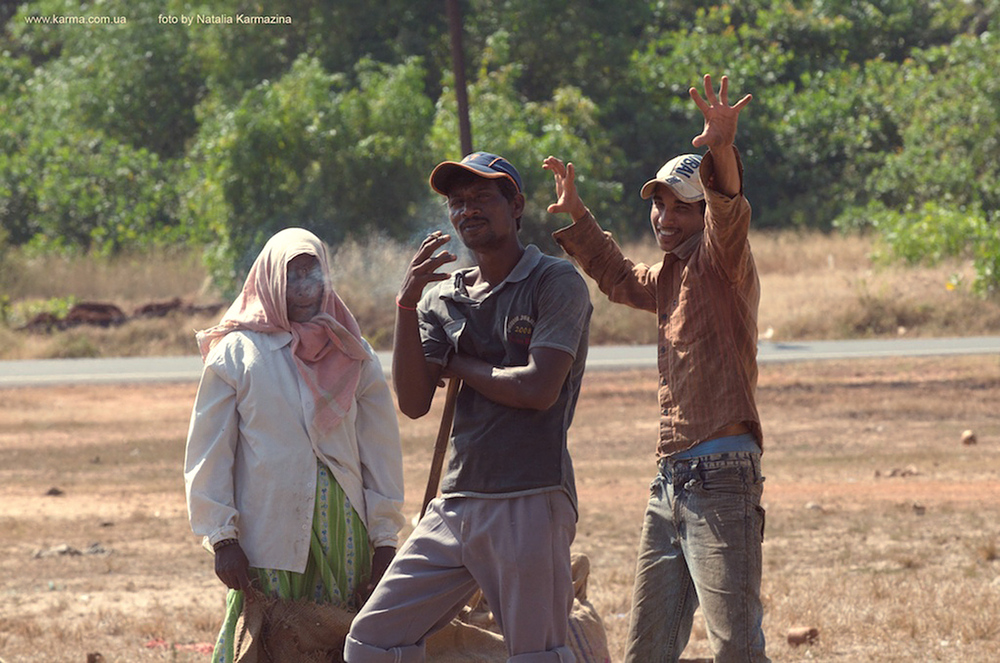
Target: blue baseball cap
x=483, y=164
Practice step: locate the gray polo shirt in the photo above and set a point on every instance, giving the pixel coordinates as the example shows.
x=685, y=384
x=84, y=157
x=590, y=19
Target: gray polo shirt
x=501, y=451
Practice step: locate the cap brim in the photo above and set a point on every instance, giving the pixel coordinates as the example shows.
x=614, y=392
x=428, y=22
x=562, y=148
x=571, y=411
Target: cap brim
x=444, y=172
x=647, y=189
x=684, y=192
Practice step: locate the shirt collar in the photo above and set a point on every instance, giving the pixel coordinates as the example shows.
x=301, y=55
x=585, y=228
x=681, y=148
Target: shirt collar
x=525, y=265
x=522, y=270
x=687, y=247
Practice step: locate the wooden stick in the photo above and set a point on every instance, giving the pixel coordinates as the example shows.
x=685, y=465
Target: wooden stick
x=441, y=444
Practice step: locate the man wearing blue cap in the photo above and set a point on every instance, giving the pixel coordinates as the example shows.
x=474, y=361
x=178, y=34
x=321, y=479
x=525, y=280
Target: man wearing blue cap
x=703, y=527
x=513, y=328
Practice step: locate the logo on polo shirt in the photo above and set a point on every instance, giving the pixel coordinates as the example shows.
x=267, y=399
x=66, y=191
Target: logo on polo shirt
x=519, y=329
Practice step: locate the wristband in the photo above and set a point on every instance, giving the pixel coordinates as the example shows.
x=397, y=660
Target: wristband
x=222, y=543
x=586, y=213
x=405, y=308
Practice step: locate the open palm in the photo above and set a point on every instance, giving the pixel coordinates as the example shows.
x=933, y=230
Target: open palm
x=720, y=118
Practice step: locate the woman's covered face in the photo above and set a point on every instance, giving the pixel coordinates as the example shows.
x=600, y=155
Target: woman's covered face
x=304, y=288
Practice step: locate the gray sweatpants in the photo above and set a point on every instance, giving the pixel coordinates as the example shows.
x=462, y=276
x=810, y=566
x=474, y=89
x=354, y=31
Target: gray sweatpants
x=517, y=550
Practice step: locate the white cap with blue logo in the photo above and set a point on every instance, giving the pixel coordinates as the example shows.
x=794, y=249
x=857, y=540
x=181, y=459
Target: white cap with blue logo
x=681, y=175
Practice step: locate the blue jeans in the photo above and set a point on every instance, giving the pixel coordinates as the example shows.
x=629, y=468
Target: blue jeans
x=700, y=544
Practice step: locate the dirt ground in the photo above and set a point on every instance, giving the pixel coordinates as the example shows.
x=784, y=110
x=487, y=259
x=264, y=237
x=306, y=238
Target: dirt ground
x=883, y=528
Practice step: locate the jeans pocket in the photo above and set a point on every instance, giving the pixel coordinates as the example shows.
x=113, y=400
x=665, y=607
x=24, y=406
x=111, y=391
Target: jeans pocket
x=763, y=519
x=656, y=485
x=723, y=479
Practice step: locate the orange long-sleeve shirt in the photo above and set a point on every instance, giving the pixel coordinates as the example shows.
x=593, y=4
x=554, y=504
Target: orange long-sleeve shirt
x=705, y=295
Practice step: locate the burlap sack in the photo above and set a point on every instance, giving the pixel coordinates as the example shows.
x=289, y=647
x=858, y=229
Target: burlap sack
x=283, y=631
x=587, y=637
x=272, y=630
x=460, y=642
x=474, y=636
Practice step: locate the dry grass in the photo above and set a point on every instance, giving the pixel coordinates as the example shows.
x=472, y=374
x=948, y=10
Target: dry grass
x=30, y=285
x=827, y=286
x=814, y=286
x=888, y=568
x=125, y=278
x=818, y=286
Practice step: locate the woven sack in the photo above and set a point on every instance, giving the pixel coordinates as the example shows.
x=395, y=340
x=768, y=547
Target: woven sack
x=272, y=630
x=587, y=637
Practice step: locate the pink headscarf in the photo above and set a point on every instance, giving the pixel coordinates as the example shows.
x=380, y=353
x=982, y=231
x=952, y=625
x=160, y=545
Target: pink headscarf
x=328, y=349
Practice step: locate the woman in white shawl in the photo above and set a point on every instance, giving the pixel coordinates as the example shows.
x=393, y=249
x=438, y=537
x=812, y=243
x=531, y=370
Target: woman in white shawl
x=293, y=466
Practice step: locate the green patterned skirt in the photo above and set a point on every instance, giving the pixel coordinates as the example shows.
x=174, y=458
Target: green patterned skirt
x=339, y=562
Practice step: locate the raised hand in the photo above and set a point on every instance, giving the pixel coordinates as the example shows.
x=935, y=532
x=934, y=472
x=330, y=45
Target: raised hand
x=720, y=117
x=422, y=269
x=567, y=198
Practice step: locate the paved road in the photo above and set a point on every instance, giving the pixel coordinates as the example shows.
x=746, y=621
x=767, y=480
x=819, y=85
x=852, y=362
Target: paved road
x=43, y=372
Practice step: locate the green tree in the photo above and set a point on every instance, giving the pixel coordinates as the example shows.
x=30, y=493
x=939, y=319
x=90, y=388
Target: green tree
x=146, y=132
x=308, y=150
x=18, y=203
x=136, y=81
x=337, y=34
x=822, y=74
x=557, y=43
x=78, y=189
x=525, y=132
x=950, y=107
x=823, y=143
x=69, y=186
x=939, y=195
x=90, y=128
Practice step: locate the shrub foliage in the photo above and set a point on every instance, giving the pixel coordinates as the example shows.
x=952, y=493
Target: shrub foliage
x=147, y=123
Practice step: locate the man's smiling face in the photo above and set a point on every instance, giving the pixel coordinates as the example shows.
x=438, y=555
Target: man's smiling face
x=482, y=216
x=674, y=220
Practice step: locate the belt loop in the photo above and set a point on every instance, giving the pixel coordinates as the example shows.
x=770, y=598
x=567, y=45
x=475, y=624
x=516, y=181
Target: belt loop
x=696, y=469
x=669, y=470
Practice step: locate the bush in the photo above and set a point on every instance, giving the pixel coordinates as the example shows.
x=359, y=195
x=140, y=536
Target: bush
x=934, y=232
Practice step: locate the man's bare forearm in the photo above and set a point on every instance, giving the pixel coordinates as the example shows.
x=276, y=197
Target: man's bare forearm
x=413, y=378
